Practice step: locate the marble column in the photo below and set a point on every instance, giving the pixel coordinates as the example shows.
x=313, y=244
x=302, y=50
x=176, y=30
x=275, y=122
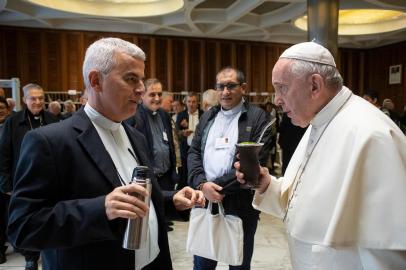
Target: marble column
x=322, y=23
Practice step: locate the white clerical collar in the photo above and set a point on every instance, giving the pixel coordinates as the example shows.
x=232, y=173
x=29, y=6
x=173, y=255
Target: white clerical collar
x=148, y=110
x=234, y=110
x=330, y=110
x=194, y=113
x=100, y=120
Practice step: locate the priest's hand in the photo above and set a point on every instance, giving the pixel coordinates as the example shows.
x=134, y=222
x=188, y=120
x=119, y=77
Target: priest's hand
x=184, y=123
x=211, y=192
x=120, y=204
x=187, y=197
x=186, y=132
x=264, y=177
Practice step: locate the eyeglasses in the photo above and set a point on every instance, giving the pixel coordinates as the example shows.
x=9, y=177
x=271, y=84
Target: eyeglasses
x=230, y=86
x=35, y=98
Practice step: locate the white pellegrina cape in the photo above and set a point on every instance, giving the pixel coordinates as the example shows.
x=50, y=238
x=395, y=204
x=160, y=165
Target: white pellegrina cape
x=351, y=195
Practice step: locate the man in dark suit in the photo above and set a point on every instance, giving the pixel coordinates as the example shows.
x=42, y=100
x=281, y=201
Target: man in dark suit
x=15, y=128
x=155, y=124
x=186, y=123
x=71, y=197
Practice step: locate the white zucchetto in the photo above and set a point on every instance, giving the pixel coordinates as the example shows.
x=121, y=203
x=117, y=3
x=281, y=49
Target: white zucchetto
x=311, y=52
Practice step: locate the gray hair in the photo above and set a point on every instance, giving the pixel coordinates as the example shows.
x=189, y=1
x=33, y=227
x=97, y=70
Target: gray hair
x=329, y=73
x=100, y=56
x=54, y=105
x=167, y=94
x=28, y=87
x=210, y=96
x=69, y=103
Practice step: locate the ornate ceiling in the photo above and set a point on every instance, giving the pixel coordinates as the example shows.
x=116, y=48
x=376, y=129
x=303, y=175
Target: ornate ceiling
x=258, y=20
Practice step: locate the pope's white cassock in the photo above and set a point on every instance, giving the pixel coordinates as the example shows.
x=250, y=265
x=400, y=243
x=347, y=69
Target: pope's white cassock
x=348, y=210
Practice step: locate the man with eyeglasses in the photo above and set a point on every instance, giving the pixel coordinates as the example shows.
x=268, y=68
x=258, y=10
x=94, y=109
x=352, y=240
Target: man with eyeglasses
x=152, y=121
x=15, y=128
x=213, y=153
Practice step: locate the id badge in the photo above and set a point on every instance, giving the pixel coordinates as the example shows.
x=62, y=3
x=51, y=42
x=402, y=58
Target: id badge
x=165, y=136
x=222, y=143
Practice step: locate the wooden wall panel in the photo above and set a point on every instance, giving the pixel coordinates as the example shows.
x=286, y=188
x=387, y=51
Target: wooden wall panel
x=74, y=62
x=31, y=61
x=195, y=66
x=145, y=44
x=10, y=56
x=241, y=53
x=377, y=65
x=258, y=68
x=178, y=53
x=349, y=67
x=161, y=61
x=53, y=58
x=225, y=54
x=272, y=55
x=212, y=65
x=52, y=62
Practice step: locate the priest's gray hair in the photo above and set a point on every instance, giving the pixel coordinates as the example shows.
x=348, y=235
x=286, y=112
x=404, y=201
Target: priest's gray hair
x=210, y=96
x=28, y=87
x=330, y=74
x=100, y=56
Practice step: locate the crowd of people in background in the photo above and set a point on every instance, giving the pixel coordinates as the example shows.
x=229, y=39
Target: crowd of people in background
x=181, y=146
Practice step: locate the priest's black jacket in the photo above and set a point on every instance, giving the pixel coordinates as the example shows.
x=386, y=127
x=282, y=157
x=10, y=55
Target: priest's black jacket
x=58, y=204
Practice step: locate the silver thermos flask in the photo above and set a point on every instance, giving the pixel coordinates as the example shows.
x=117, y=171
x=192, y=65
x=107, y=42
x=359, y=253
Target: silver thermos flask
x=136, y=233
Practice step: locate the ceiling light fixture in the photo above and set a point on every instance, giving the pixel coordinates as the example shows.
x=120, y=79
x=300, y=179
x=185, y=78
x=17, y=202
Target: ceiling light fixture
x=364, y=21
x=114, y=8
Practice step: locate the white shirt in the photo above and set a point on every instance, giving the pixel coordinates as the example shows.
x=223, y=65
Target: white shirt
x=193, y=121
x=346, y=210
x=117, y=144
x=220, y=147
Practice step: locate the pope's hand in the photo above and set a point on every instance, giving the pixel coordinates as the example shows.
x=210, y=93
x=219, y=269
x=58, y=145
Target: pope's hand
x=120, y=204
x=187, y=197
x=211, y=192
x=264, y=177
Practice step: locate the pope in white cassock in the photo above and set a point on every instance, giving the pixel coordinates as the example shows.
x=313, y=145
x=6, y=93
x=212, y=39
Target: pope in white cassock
x=343, y=195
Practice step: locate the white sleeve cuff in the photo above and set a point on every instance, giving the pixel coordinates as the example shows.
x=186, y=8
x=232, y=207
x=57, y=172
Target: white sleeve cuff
x=269, y=201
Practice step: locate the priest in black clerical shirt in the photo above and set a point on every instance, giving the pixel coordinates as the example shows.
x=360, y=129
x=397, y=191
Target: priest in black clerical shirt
x=15, y=128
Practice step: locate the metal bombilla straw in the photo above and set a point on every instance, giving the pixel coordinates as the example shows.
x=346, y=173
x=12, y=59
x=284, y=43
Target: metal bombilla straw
x=265, y=129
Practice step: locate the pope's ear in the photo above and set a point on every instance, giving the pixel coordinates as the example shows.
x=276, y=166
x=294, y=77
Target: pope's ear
x=317, y=83
x=95, y=80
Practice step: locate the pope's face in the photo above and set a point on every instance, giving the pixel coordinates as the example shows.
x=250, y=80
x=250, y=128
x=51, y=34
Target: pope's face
x=35, y=100
x=152, y=97
x=292, y=93
x=121, y=88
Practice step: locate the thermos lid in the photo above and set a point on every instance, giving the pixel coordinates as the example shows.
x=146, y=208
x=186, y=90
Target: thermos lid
x=141, y=172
